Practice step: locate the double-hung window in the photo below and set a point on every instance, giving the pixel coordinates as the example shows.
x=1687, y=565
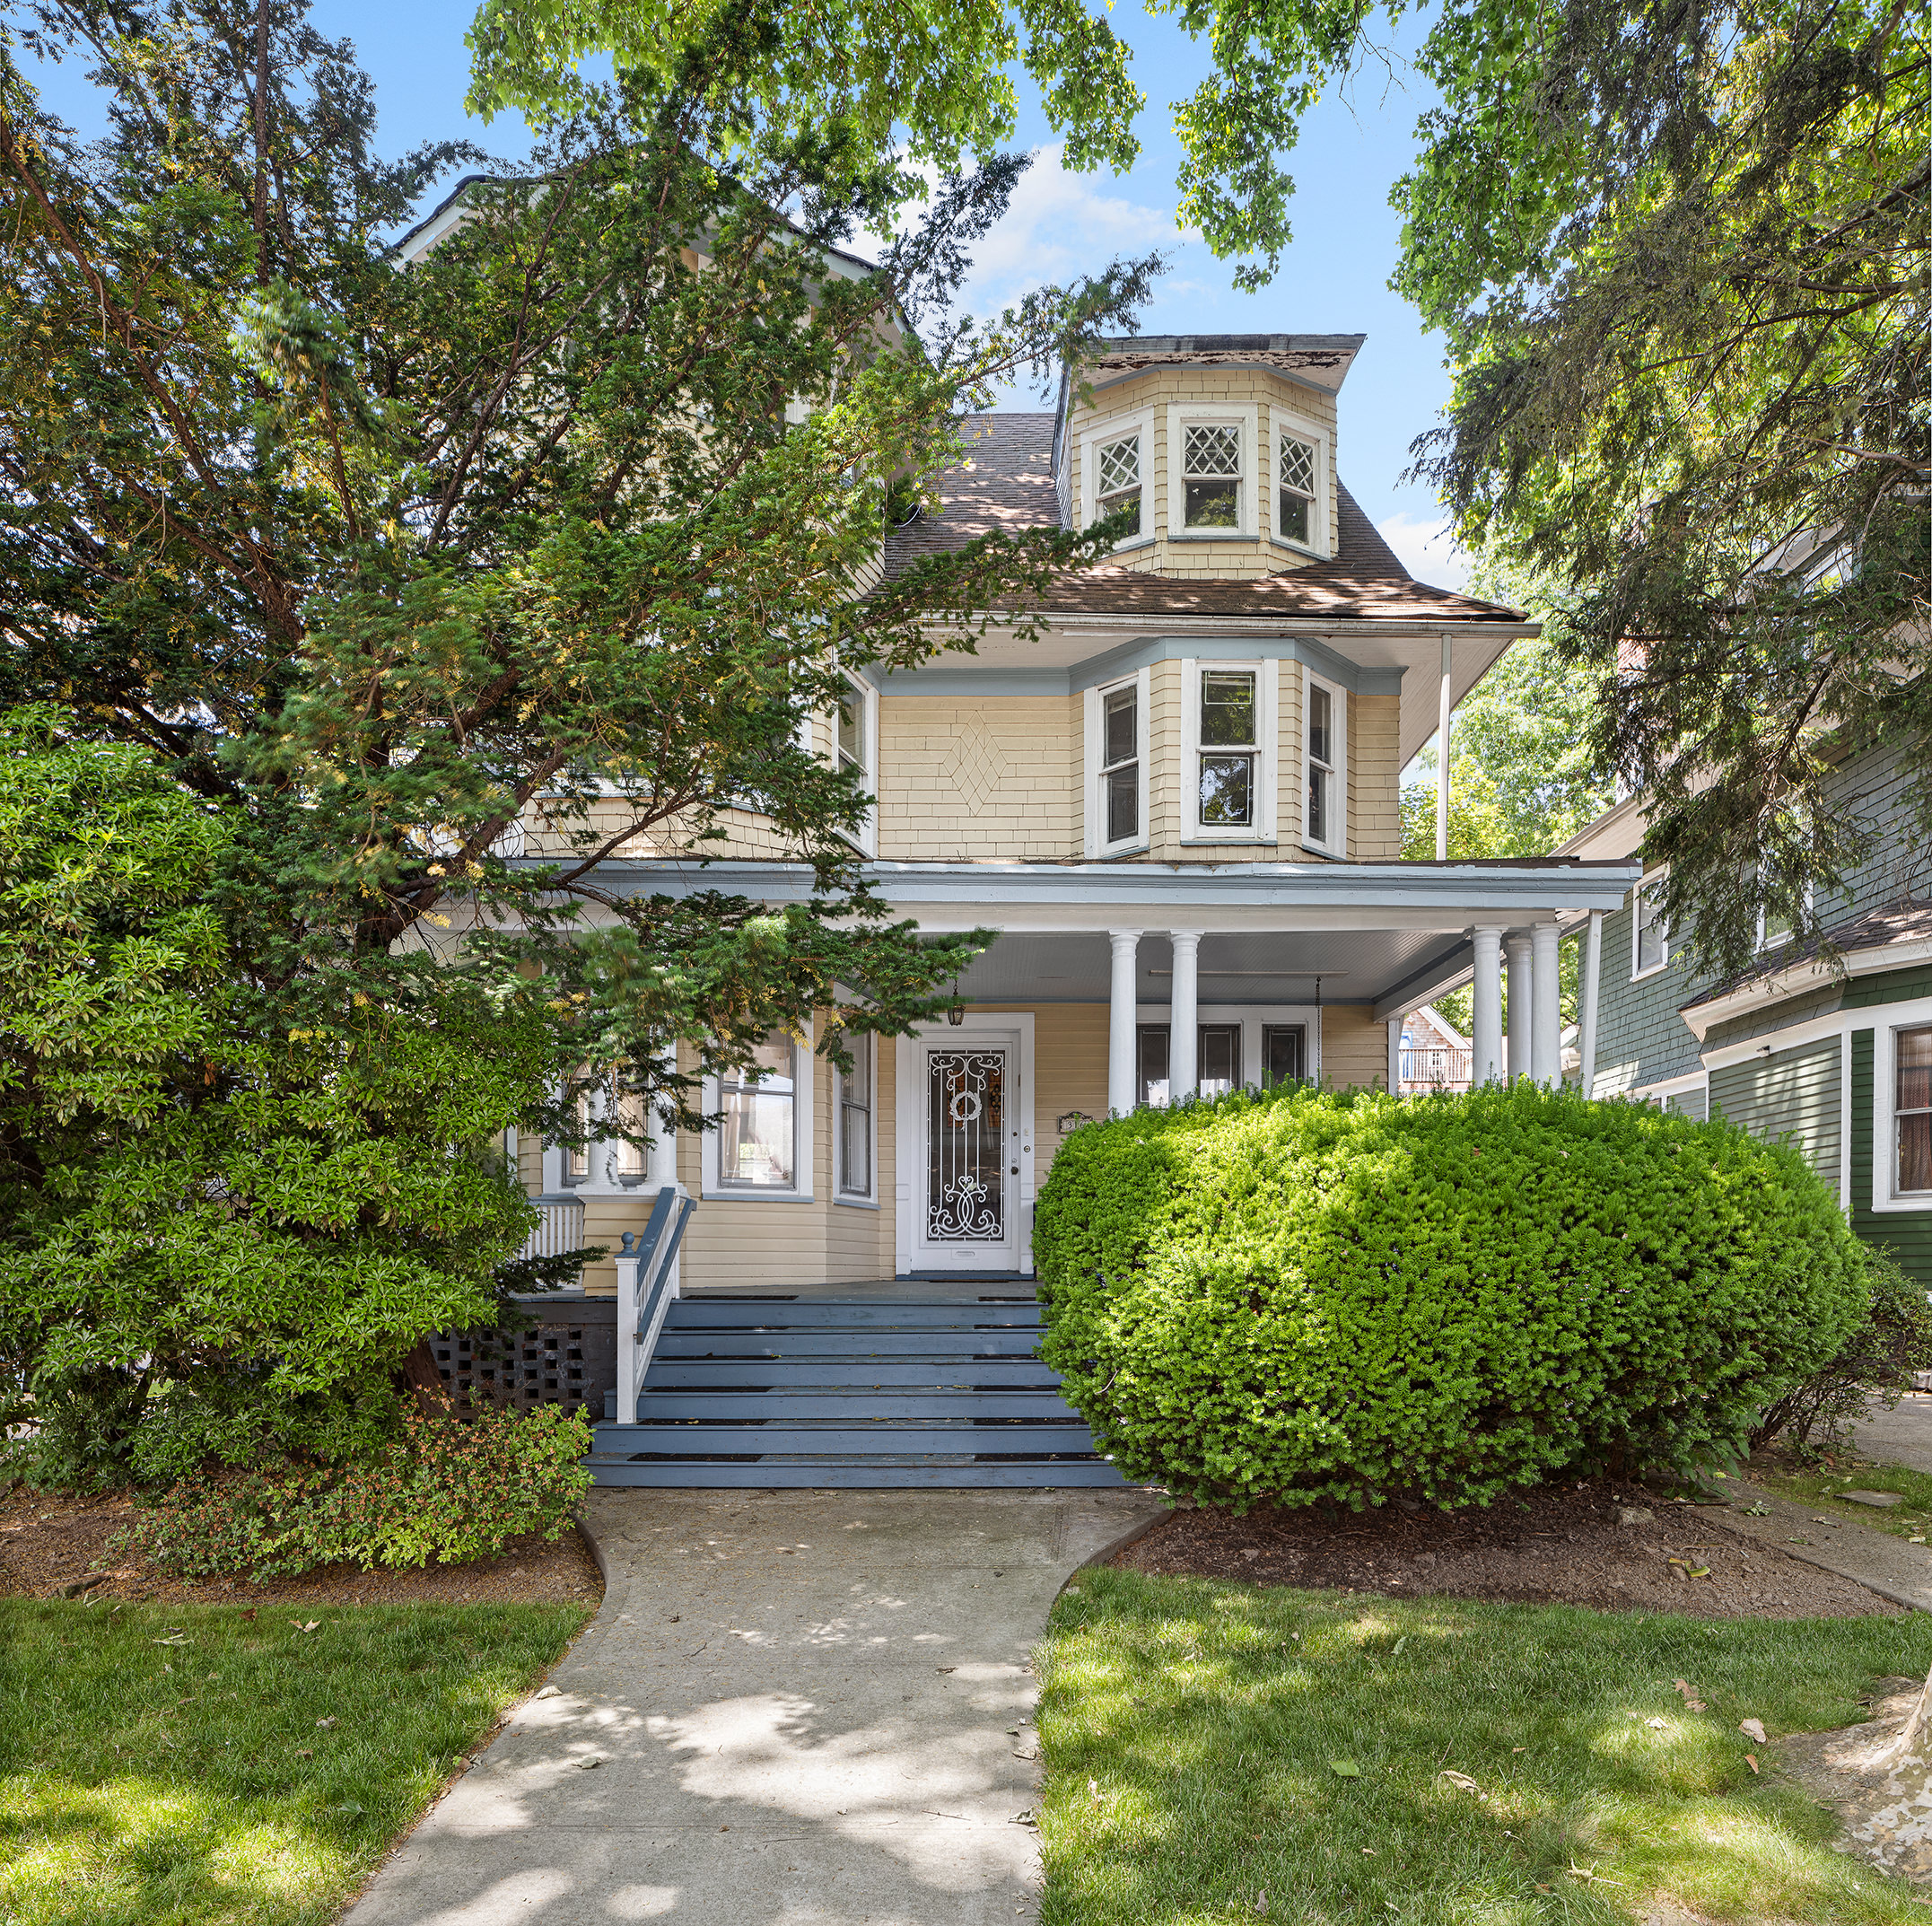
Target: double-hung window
x=1211, y=454
x=1297, y=498
x=855, y=1087
x=1649, y=936
x=758, y=1131
x=1228, y=723
x=1911, y=1111
x=855, y=748
x=1117, y=749
x=1118, y=484
x=1324, y=735
x=602, y=1157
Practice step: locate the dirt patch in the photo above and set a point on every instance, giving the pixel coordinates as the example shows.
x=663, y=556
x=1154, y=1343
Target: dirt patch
x=48, y=1545
x=1553, y=1544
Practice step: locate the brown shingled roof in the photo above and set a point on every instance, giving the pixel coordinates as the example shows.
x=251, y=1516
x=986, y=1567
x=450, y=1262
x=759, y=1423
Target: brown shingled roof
x=1007, y=485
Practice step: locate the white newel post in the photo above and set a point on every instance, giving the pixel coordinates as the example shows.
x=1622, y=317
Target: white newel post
x=1487, y=1040
x=1546, y=1009
x=1183, y=1017
x=628, y=1349
x=1522, y=997
x=1593, y=964
x=1122, y=1008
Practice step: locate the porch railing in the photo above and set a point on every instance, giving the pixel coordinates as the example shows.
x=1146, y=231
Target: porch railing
x=1426, y=1065
x=560, y=1228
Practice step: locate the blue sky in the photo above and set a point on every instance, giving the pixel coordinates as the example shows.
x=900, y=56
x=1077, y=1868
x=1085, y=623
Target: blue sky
x=1333, y=277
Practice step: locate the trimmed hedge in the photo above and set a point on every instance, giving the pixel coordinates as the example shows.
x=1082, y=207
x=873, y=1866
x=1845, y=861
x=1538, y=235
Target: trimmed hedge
x=1312, y=1294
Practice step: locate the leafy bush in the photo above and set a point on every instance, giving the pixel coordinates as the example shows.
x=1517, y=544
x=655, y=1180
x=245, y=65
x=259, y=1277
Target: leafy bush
x=447, y=1491
x=1874, y=1365
x=222, y=1224
x=1309, y=1294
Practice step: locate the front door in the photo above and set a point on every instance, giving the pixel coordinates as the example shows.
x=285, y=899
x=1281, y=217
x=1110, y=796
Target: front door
x=967, y=1190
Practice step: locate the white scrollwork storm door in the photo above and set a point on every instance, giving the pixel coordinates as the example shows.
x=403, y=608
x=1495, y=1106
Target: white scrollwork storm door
x=965, y=1146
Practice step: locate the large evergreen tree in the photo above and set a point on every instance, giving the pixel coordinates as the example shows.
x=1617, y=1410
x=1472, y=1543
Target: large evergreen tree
x=570, y=521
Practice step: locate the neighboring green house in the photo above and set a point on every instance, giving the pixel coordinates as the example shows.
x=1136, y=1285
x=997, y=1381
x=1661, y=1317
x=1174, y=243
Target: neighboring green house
x=1835, y=1058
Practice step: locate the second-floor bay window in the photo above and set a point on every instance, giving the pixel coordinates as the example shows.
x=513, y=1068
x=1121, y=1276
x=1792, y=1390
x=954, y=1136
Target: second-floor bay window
x=1116, y=751
x=1227, y=714
x=1323, y=736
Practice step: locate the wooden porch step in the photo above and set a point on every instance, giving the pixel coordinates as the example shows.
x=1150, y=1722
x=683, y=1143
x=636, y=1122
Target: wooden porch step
x=957, y=1373
x=849, y=1404
x=847, y=1314
x=677, y=1342
x=953, y=1435
x=867, y=1473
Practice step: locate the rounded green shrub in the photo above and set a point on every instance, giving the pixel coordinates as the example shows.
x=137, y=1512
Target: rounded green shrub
x=1317, y=1294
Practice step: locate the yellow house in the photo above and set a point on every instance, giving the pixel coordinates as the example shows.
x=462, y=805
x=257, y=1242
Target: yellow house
x=1178, y=807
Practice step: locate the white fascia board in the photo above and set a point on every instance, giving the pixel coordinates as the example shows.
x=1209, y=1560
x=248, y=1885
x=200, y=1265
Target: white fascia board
x=1334, y=896
x=1812, y=974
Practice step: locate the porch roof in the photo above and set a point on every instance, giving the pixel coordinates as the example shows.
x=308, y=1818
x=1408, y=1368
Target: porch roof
x=1384, y=934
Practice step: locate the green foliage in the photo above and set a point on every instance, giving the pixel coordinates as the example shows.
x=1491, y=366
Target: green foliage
x=1308, y=1294
x=1522, y=773
x=448, y=1490
x=221, y=1232
x=1874, y=1366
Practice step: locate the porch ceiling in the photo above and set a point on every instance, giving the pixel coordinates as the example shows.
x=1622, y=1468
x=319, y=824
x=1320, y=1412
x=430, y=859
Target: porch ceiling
x=1248, y=966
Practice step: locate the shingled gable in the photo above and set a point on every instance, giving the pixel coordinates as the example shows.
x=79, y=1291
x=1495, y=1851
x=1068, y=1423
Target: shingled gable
x=1006, y=483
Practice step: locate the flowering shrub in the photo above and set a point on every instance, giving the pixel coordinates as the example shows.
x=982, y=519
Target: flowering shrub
x=446, y=1490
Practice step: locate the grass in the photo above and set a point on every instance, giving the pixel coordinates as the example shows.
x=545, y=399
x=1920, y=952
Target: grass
x=1190, y=1730
x=168, y=1765
x=1818, y=1486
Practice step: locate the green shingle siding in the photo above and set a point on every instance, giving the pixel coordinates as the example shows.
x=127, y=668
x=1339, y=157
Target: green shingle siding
x=1895, y=986
x=1640, y=1037
x=1907, y=1234
x=1796, y=1094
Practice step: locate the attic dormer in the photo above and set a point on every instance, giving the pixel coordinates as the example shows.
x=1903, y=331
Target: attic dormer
x=1224, y=445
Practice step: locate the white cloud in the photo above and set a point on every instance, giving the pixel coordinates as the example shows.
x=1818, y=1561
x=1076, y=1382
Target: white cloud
x=1058, y=226
x=1426, y=549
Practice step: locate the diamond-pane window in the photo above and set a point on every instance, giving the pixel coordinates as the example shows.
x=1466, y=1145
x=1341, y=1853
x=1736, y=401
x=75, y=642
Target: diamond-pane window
x=1214, y=451
x=1296, y=492
x=1120, y=479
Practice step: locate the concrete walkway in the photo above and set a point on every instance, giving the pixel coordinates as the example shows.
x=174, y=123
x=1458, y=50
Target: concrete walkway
x=794, y=1709
x=1901, y=1436
x=1892, y=1567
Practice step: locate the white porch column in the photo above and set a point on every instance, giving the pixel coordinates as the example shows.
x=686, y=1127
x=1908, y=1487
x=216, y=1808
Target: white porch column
x=1442, y=756
x=1123, y=1006
x=1394, y=1055
x=1183, y=1017
x=1592, y=971
x=1521, y=997
x=660, y=1160
x=1487, y=1042
x=1546, y=1009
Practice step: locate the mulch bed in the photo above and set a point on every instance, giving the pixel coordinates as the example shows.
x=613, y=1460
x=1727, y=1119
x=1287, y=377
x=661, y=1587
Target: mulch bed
x=50, y=1545
x=1552, y=1545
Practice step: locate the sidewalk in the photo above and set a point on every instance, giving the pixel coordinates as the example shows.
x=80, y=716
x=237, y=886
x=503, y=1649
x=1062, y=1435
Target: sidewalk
x=794, y=1709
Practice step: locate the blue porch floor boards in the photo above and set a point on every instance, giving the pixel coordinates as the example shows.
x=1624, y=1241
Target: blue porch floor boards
x=920, y=1385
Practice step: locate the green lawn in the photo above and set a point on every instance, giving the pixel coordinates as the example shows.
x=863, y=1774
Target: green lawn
x=151, y=1767
x=1911, y=1519
x=1190, y=1731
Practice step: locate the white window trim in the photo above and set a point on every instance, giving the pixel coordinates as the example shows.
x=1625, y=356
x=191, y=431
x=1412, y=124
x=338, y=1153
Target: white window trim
x=1338, y=698
x=1252, y=1020
x=713, y=1189
x=1304, y=431
x=1657, y=968
x=1142, y=682
x=1760, y=944
x=1888, y=1019
x=867, y=841
x=1181, y=416
x=857, y=1200
x=1092, y=438
x=1267, y=752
